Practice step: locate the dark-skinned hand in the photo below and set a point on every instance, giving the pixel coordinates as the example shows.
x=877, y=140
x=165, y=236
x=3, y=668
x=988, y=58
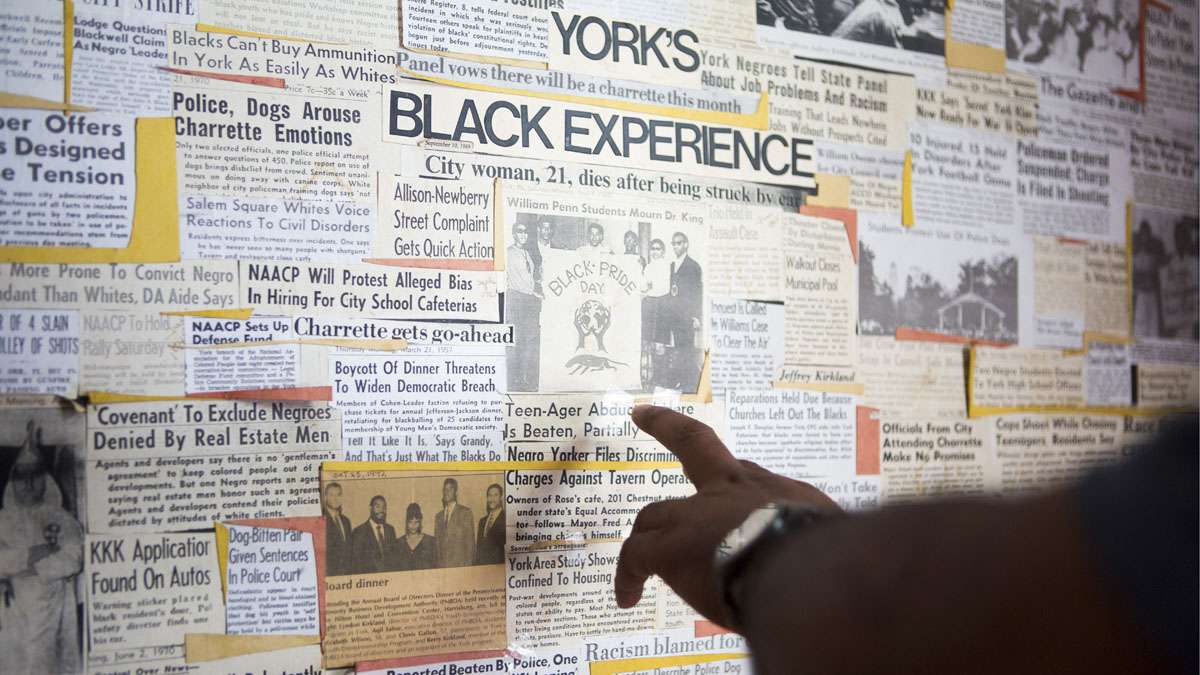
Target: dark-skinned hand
x=677, y=540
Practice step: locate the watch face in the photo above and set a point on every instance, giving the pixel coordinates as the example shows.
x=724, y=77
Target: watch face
x=748, y=531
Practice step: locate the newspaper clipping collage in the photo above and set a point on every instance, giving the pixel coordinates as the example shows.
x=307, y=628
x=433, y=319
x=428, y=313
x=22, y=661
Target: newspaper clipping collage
x=321, y=321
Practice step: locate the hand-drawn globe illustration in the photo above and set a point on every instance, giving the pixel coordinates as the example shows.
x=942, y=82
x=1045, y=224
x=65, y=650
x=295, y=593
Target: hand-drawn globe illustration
x=592, y=318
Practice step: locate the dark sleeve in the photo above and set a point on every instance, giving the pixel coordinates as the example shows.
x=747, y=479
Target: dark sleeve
x=1141, y=517
x=696, y=296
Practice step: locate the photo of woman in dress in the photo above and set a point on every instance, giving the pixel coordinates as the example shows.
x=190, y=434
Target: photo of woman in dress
x=415, y=550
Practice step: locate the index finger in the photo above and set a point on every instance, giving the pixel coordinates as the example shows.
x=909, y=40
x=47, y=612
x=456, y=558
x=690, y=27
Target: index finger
x=705, y=458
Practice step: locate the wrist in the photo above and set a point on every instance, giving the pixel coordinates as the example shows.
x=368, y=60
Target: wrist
x=756, y=540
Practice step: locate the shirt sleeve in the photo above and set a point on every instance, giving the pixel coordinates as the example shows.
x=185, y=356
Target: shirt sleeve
x=1141, y=518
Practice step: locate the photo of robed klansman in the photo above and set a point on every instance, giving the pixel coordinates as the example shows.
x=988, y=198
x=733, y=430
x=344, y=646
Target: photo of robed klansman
x=41, y=554
x=372, y=542
x=454, y=529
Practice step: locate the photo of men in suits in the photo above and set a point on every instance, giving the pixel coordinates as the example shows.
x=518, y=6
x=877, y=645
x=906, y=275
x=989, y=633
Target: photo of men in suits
x=454, y=529
x=489, y=548
x=372, y=542
x=455, y=538
x=338, y=532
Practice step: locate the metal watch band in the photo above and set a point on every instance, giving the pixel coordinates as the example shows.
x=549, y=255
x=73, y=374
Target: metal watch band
x=789, y=519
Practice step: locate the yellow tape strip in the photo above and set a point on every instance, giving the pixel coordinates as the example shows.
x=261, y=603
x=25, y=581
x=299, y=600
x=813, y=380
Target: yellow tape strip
x=856, y=388
x=832, y=190
x=906, y=203
x=99, y=397
x=704, y=393
x=972, y=56
x=201, y=647
x=975, y=57
x=222, y=536
x=33, y=102
x=655, y=662
x=1128, y=411
x=1093, y=337
x=210, y=28
x=494, y=466
x=757, y=120
x=155, y=236
x=237, y=314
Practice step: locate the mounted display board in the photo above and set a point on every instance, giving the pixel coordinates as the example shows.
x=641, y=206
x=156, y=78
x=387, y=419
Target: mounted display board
x=321, y=322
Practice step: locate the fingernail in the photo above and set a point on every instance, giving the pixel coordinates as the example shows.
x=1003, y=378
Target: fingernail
x=639, y=410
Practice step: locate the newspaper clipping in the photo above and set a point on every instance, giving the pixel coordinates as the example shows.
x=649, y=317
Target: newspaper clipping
x=911, y=378
x=962, y=178
x=67, y=179
x=118, y=53
x=904, y=36
x=1059, y=302
x=936, y=458
x=1166, y=273
x=603, y=295
x=955, y=282
x=528, y=127
x=144, y=592
x=37, y=25
x=40, y=351
x=437, y=224
x=820, y=301
x=1018, y=377
x=172, y=466
x=1072, y=191
x=1106, y=289
x=401, y=590
x=801, y=434
x=747, y=343
x=270, y=582
x=375, y=291
x=1039, y=452
x=1100, y=42
x=427, y=403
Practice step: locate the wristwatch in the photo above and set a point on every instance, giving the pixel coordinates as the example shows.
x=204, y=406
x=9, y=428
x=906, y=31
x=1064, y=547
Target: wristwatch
x=761, y=530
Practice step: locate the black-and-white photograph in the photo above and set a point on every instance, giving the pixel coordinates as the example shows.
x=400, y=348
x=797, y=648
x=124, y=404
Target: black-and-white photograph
x=672, y=312
x=905, y=285
x=1166, y=274
x=1096, y=39
x=413, y=523
x=911, y=25
x=665, y=273
x=41, y=540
